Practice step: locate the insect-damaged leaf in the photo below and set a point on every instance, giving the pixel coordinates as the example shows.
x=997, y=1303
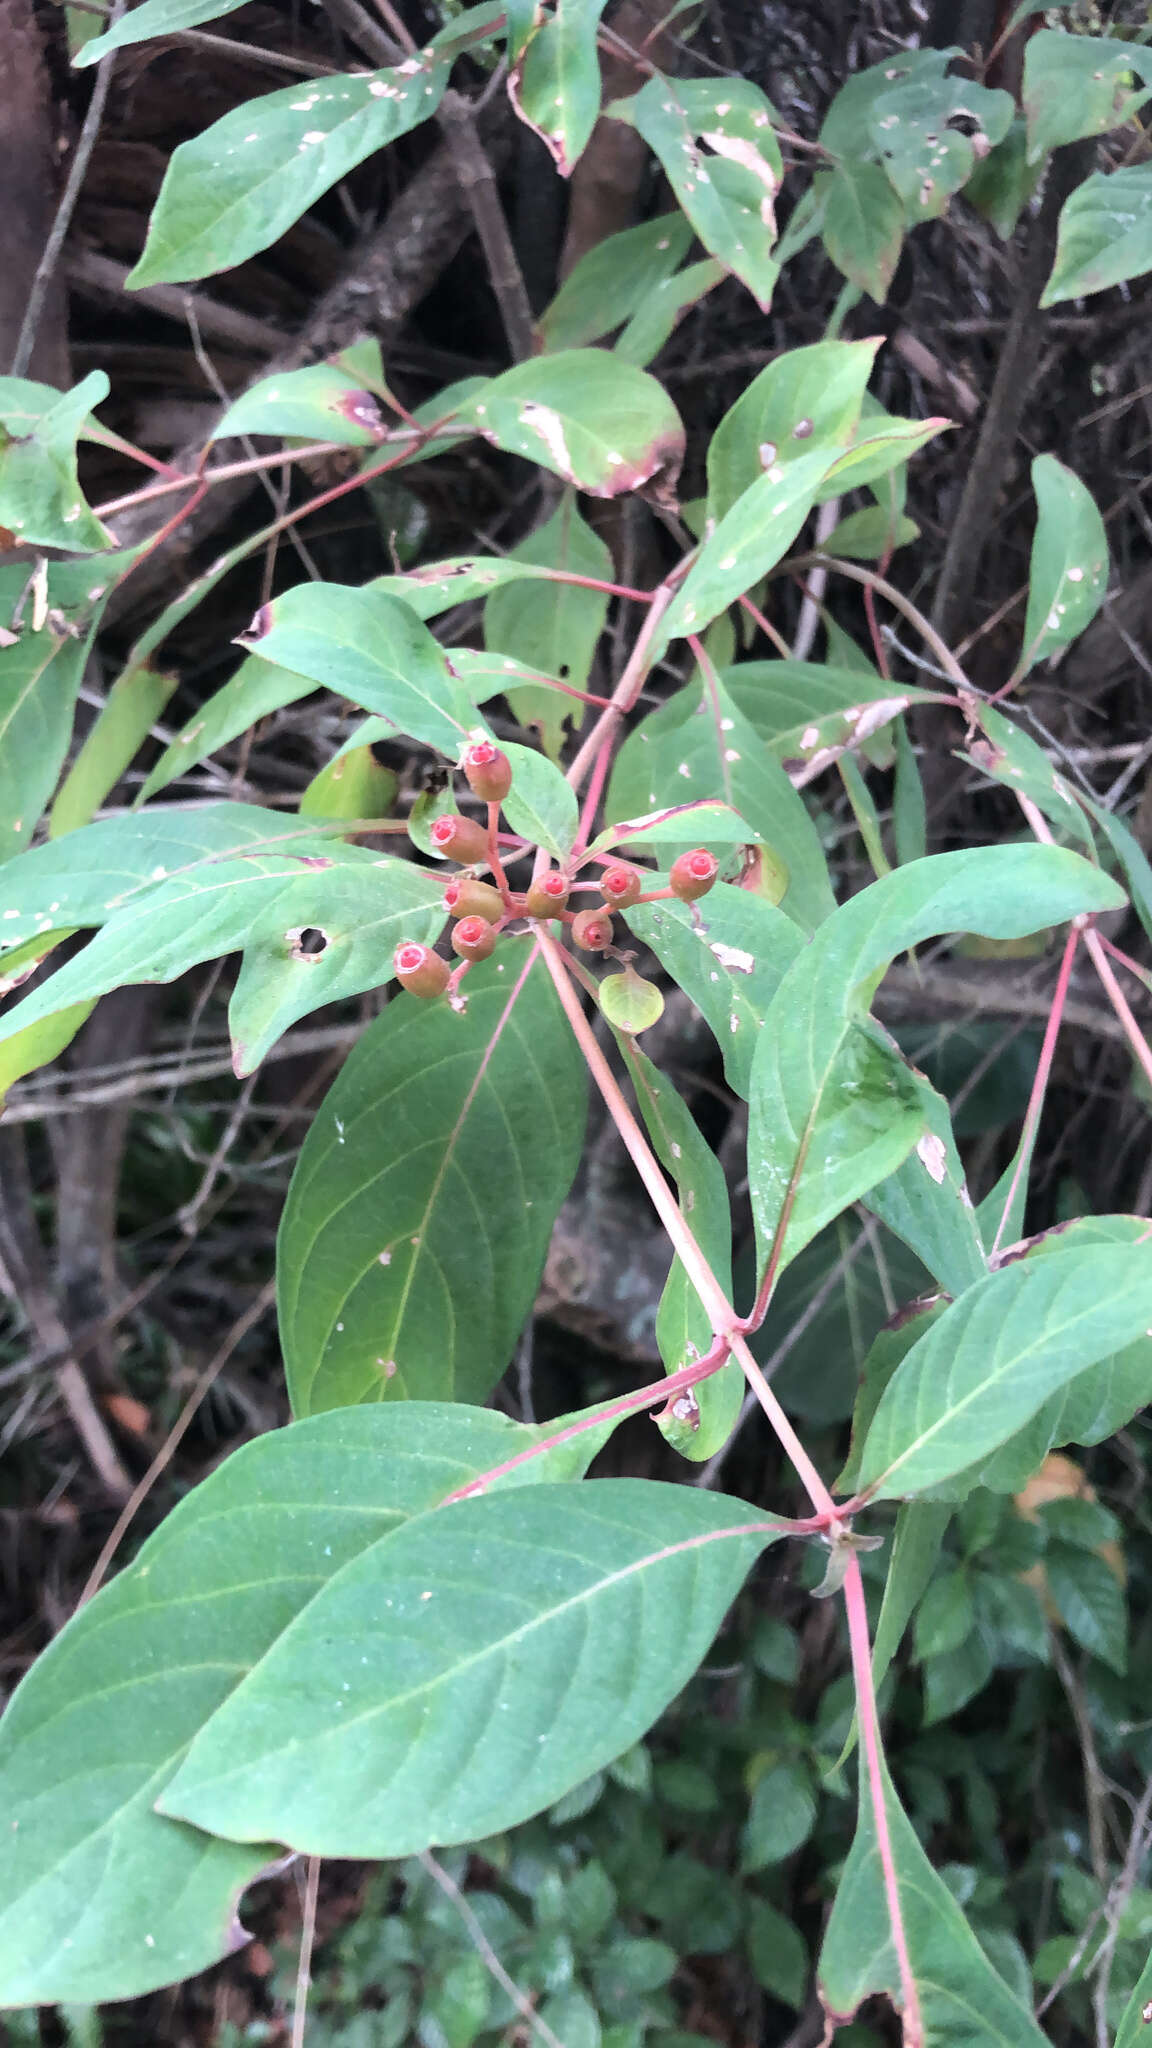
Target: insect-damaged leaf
x=597, y=422
x=555, y=83
x=425, y=1193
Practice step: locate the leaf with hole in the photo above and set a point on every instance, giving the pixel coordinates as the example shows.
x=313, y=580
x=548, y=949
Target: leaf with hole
x=472, y=1667
x=925, y=130
x=601, y=424
x=421, y=1206
x=1080, y=85
x=370, y=648
x=1069, y=568
x=715, y=140
x=236, y=188
x=100, y=1897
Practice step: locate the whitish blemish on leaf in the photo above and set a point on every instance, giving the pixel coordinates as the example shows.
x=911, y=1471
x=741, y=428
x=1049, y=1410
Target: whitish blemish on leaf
x=930, y=1151
x=733, y=957
x=540, y=419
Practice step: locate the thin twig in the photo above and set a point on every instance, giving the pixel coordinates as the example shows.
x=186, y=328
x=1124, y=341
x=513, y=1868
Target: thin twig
x=45, y=269
x=486, y=1952
x=307, y=1940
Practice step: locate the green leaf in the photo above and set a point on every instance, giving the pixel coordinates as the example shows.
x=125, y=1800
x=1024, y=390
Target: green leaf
x=1091, y=1602
x=319, y=403
x=920, y=1527
x=1133, y=2031
x=806, y=399
x=870, y=533
x=100, y=1898
x=555, y=627
x=440, y=586
x=699, y=746
x=781, y=1815
x=540, y=805
x=683, y=1326
x=955, y=1677
x=630, y=1003
x=1105, y=234
x=613, y=280
x=847, y=129
x=257, y=688
x=992, y=1359
x=1069, y=568
x=1079, y=85
x=555, y=84
x=1013, y=758
x=748, y=541
x=888, y=443
x=1002, y=185
x=599, y=423
x=914, y=128
x=83, y=879
x=313, y=926
x=945, y=1617
x=236, y=188
x=706, y=821
x=472, y=1667
x=729, y=195
x=131, y=708
x=863, y=226
x=778, y=1954
x=353, y=784
x=809, y=1073
x=824, y=1314
x=809, y=711
x=425, y=1194
x=926, y=1200
x=40, y=498
x=962, y=1998
x=39, y=680
x=153, y=18
x=373, y=649
x=664, y=308
x=728, y=958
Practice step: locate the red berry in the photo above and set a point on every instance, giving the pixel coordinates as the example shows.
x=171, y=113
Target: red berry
x=620, y=885
x=460, y=838
x=592, y=930
x=693, y=874
x=418, y=969
x=548, y=896
x=465, y=898
x=473, y=938
x=489, y=771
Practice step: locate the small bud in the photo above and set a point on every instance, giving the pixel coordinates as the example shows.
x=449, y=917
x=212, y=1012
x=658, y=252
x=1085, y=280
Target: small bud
x=459, y=838
x=592, y=930
x=548, y=896
x=473, y=938
x=693, y=875
x=621, y=885
x=489, y=771
x=418, y=969
x=465, y=898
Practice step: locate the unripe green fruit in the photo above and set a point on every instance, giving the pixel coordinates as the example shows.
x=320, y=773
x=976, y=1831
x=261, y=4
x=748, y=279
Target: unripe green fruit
x=473, y=938
x=548, y=896
x=693, y=874
x=464, y=897
x=460, y=838
x=592, y=930
x=488, y=771
x=620, y=885
x=418, y=969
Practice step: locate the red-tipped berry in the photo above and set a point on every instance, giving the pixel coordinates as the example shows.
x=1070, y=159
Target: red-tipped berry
x=621, y=885
x=693, y=875
x=459, y=838
x=473, y=938
x=548, y=896
x=418, y=969
x=465, y=898
x=488, y=771
x=592, y=930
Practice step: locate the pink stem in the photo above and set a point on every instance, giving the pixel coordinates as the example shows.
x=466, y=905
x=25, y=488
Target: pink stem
x=593, y=794
x=857, y=1614
x=767, y=628
x=1143, y=974
x=1040, y=1082
x=878, y=647
x=1116, y=997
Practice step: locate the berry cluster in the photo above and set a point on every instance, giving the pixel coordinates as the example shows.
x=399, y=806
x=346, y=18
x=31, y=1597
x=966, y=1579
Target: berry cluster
x=480, y=909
